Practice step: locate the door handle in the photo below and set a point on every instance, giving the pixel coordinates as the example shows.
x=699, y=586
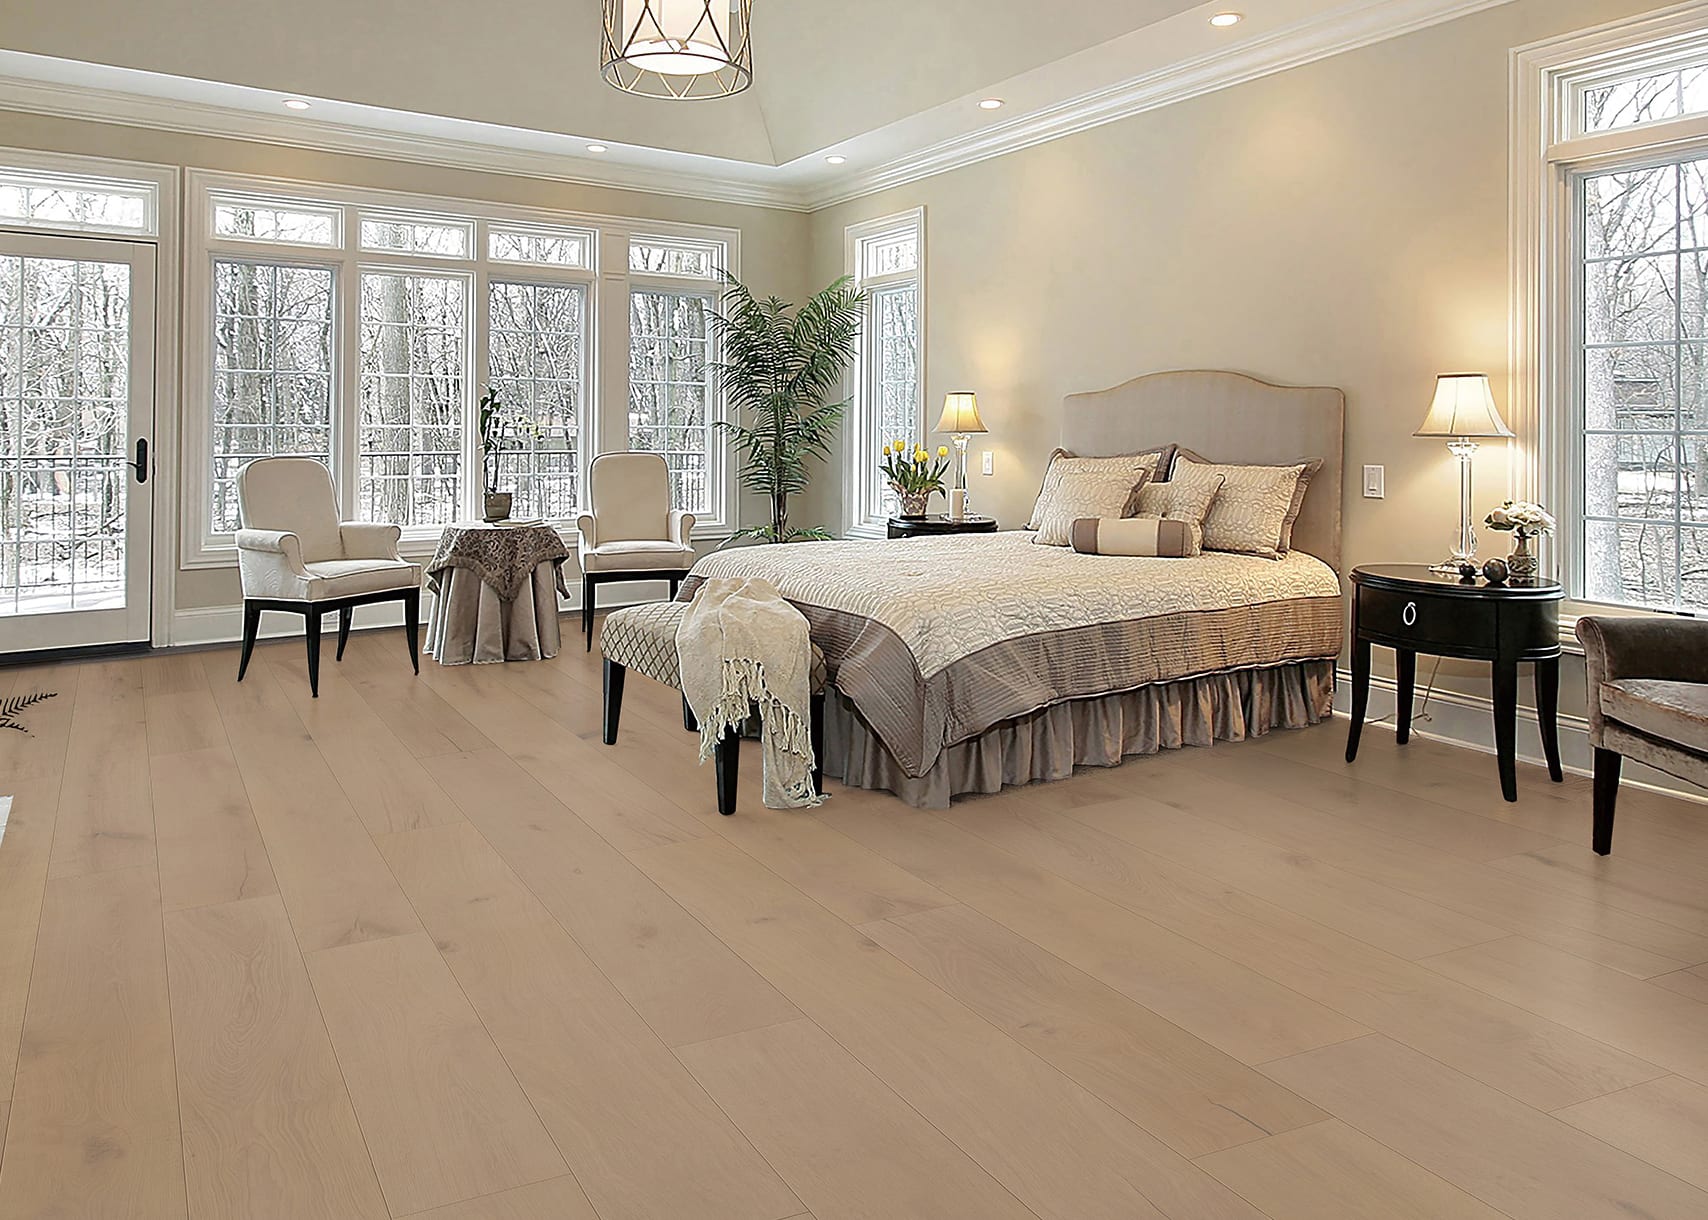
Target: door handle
x=141, y=463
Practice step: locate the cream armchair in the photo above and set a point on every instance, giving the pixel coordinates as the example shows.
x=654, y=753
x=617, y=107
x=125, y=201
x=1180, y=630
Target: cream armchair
x=632, y=532
x=295, y=555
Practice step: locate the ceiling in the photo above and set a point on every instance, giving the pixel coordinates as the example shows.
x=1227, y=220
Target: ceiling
x=888, y=87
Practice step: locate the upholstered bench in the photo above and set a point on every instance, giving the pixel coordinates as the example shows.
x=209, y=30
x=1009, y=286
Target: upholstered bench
x=643, y=638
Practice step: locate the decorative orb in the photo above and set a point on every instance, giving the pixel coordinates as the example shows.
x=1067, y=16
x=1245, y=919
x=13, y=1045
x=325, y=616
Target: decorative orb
x=1495, y=571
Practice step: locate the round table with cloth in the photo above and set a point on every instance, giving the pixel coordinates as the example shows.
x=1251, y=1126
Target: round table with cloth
x=495, y=593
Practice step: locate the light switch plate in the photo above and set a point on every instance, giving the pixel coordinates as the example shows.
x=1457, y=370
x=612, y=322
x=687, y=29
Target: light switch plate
x=989, y=461
x=1375, y=482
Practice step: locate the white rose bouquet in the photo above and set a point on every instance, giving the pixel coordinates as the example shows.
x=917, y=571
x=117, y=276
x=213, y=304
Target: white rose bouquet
x=1521, y=517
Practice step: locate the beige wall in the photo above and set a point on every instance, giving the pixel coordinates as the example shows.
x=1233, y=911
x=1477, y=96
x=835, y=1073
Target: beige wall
x=773, y=243
x=1341, y=224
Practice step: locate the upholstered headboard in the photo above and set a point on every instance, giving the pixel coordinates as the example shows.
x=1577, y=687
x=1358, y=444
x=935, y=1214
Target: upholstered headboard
x=1226, y=417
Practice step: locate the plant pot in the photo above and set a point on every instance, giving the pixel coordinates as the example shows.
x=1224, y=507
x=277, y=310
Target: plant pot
x=914, y=503
x=1523, y=563
x=498, y=505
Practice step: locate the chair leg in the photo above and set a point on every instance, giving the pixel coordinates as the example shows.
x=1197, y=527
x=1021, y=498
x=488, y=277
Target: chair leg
x=688, y=720
x=614, y=675
x=412, y=626
x=587, y=610
x=726, y=760
x=1606, y=796
x=345, y=614
x=816, y=730
x=251, y=625
x=311, y=630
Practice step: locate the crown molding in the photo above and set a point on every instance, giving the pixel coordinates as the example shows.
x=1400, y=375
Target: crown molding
x=198, y=118
x=1354, y=25
x=1347, y=29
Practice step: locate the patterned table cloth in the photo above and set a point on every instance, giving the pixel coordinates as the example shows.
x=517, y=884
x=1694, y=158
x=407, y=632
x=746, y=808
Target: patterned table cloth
x=495, y=594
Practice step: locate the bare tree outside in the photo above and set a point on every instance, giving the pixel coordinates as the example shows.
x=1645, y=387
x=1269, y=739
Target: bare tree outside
x=670, y=390
x=414, y=344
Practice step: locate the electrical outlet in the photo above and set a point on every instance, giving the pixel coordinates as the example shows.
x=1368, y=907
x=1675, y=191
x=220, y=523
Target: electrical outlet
x=989, y=459
x=1375, y=482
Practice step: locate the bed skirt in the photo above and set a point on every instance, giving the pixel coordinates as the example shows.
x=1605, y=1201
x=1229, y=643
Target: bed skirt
x=1100, y=732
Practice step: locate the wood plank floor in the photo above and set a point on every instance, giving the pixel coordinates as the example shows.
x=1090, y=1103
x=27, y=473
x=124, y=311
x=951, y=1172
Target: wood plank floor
x=425, y=947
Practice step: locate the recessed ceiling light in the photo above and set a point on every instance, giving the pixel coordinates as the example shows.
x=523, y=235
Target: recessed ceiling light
x=833, y=159
x=991, y=103
x=295, y=103
x=1223, y=20
x=597, y=148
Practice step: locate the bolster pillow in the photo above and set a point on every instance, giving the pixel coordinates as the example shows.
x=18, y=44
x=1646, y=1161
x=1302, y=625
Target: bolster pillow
x=1158, y=537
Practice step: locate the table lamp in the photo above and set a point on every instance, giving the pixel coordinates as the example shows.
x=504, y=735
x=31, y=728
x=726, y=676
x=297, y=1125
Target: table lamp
x=1463, y=411
x=960, y=418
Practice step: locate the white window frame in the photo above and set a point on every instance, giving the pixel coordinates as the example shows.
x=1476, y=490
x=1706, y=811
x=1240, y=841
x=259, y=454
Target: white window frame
x=162, y=183
x=1550, y=158
x=861, y=441
x=605, y=344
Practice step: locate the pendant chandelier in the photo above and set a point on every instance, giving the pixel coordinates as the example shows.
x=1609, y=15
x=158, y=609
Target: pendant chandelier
x=677, y=48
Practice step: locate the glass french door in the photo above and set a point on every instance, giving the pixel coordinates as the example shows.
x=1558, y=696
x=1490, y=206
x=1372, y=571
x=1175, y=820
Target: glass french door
x=76, y=409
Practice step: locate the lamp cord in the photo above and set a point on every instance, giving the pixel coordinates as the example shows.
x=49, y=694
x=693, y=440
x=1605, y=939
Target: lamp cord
x=1421, y=712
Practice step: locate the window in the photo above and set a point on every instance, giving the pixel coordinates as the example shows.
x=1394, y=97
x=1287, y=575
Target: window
x=670, y=390
x=886, y=257
x=413, y=397
x=361, y=327
x=1650, y=97
x=537, y=341
x=77, y=203
x=290, y=224
x=673, y=401
x=272, y=365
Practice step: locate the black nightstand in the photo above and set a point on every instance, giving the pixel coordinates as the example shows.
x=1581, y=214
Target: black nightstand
x=939, y=523
x=1410, y=609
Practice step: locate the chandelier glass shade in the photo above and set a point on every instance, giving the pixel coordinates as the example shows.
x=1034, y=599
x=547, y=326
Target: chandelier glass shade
x=683, y=49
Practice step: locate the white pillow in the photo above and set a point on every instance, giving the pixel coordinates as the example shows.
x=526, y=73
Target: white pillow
x=1085, y=487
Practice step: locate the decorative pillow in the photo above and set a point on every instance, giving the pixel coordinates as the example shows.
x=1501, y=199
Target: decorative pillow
x=1083, y=487
x=1153, y=463
x=1312, y=468
x=1188, y=496
x=1159, y=537
x=1248, y=512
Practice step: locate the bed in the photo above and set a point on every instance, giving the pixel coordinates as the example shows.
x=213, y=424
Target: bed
x=964, y=663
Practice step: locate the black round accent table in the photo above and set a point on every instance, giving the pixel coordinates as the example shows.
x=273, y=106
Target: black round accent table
x=939, y=523
x=1411, y=609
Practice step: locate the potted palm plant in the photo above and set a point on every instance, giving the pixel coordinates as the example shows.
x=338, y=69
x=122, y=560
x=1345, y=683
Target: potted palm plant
x=779, y=366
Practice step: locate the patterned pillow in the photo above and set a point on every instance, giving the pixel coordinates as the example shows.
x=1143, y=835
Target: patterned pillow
x=1150, y=537
x=1153, y=463
x=1251, y=507
x=1187, y=496
x=1313, y=467
x=1084, y=487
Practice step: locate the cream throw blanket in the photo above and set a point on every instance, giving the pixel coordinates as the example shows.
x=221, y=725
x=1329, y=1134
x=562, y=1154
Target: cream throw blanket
x=740, y=644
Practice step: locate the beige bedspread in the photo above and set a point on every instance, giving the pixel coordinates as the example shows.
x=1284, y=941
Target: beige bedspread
x=937, y=639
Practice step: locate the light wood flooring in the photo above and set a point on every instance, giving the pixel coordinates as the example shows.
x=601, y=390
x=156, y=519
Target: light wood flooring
x=424, y=947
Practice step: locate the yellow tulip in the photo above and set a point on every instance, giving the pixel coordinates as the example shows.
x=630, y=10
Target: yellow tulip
x=919, y=455
x=942, y=451
x=896, y=445
x=886, y=449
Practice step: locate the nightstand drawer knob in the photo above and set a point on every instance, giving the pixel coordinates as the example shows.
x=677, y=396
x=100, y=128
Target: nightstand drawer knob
x=1408, y=616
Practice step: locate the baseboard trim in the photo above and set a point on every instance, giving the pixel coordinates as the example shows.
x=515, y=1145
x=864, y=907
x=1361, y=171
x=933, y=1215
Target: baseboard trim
x=1458, y=719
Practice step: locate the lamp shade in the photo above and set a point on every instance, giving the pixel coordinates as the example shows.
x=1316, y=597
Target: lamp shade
x=961, y=413
x=1464, y=406
x=677, y=48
